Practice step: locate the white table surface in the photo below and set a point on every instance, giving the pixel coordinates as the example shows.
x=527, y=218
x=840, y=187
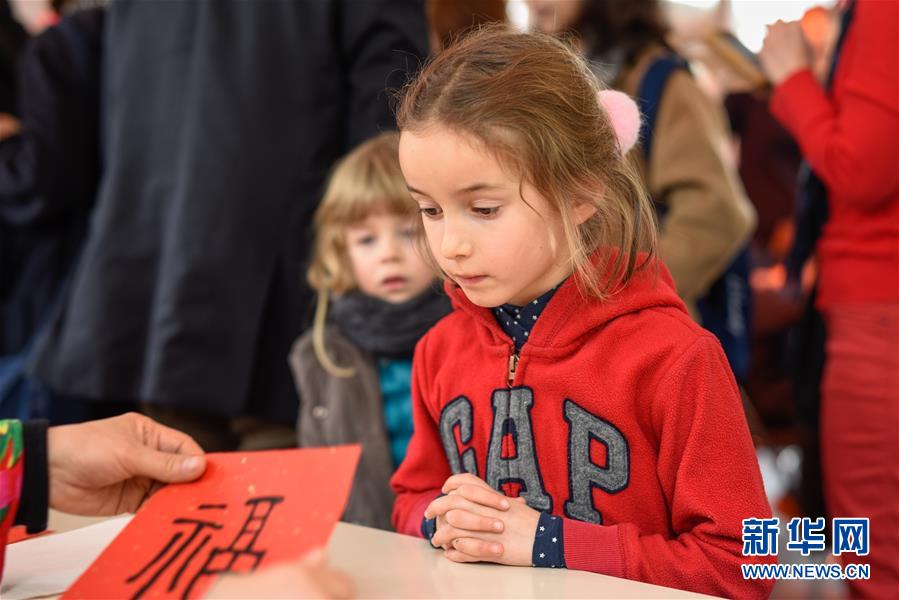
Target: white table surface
x=382, y=565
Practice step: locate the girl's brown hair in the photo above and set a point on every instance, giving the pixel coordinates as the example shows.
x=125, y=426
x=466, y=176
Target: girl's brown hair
x=366, y=181
x=532, y=101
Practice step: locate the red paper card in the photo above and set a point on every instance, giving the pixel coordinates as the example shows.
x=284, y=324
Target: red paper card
x=248, y=510
x=19, y=534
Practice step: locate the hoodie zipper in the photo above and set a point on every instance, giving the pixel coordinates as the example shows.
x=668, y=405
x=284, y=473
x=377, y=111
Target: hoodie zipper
x=513, y=366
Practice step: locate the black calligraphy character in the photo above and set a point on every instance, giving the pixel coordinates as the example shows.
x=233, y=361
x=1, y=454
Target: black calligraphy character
x=241, y=556
x=199, y=526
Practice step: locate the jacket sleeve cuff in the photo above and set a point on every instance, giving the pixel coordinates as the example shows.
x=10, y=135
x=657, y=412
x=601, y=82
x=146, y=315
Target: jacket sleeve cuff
x=429, y=527
x=32, y=511
x=797, y=101
x=594, y=548
x=549, y=542
x=415, y=519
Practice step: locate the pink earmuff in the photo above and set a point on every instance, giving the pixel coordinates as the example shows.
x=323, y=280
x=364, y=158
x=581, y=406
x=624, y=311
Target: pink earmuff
x=624, y=115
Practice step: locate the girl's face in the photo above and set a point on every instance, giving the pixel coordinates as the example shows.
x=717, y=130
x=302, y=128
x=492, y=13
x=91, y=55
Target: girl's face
x=480, y=231
x=385, y=263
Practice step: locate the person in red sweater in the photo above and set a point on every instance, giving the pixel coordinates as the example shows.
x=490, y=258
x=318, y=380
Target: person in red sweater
x=847, y=132
x=568, y=413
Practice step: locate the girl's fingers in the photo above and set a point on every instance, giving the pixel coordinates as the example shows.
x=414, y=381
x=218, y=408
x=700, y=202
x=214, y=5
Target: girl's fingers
x=444, y=504
x=459, y=557
x=445, y=534
x=440, y=506
x=461, y=479
x=484, y=496
x=463, y=519
x=478, y=549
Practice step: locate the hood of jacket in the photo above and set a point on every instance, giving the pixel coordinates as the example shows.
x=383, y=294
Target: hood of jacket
x=570, y=315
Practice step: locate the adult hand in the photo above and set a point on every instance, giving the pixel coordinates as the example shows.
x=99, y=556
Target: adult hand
x=477, y=523
x=784, y=51
x=310, y=578
x=111, y=466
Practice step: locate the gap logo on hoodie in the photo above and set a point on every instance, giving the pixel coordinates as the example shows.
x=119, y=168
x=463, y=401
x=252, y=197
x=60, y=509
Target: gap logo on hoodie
x=512, y=464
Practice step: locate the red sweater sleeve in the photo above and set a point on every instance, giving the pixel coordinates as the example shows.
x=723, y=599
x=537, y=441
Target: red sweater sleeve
x=710, y=477
x=849, y=139
x=422, y=473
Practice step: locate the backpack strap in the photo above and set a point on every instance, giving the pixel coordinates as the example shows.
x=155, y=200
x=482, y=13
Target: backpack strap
x=726, y=309
x=649, y=95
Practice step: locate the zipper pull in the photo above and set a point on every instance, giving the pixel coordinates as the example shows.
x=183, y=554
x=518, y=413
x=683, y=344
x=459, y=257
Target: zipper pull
x=513, y=365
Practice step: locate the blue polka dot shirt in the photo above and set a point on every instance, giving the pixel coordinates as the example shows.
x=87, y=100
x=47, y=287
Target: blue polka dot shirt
x=518, y=321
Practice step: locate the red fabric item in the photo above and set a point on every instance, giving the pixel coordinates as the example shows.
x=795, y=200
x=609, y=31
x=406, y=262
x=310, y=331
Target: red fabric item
x=636, y=364
x=860, y=434
x=849, y=137
x=11, y=473
x=19, y=534
x=592, y=548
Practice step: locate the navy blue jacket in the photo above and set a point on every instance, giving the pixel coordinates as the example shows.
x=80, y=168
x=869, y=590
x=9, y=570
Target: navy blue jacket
x=48, y=172
x=220, y=122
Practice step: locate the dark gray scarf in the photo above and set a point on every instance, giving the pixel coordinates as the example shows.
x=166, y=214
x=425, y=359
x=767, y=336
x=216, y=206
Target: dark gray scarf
x=387, y=329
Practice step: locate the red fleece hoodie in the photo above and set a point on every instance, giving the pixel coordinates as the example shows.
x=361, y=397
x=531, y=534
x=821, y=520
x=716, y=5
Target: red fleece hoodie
x=622, y=417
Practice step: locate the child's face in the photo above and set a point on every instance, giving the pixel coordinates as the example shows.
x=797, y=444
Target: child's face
x=385, y=263
x=480, y=231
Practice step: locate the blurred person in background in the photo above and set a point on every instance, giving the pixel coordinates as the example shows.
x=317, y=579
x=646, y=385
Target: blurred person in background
x=49, y=171
x=849, y=216
x=12, y=37
x=706, y=218
x=448, y=19
x=769, y=162
x=376, y=298
x=220, y=122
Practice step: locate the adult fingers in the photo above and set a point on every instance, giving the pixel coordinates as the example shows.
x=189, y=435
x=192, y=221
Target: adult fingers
x=333, y=583
x=166, y=467
x=165, y=439
x=162, y=453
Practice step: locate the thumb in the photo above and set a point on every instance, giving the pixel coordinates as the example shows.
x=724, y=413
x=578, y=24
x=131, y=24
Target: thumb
x=167, y=467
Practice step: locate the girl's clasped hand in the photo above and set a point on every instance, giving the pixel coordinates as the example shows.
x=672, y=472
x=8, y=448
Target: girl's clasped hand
x=477, y=523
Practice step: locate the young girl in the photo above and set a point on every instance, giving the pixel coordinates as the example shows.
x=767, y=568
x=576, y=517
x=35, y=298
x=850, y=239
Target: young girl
x=570, y=374
x=353, y=372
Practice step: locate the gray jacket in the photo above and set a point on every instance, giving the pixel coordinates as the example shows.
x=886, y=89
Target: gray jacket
x=338, y=410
